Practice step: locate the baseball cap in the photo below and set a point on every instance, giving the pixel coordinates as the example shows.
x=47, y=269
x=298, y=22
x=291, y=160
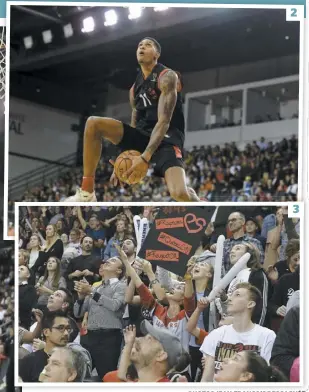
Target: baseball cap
x=170, y=342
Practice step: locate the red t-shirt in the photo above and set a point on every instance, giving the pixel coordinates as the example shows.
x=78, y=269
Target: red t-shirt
x=112, y=377
x=164, y=379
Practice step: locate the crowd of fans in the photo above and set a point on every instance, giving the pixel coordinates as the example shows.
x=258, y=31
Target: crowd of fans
x=6, y=315
x=262, y=171
x=91, y=310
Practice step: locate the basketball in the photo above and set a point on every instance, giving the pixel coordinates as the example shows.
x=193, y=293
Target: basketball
x=123, y=163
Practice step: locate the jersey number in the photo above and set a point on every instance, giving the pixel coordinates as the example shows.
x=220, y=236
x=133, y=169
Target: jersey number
x=145, y=99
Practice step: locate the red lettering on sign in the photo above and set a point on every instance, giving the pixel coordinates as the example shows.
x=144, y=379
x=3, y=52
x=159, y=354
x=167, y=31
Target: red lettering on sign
x=162, y=255
x=169, y=223
x=175, y=243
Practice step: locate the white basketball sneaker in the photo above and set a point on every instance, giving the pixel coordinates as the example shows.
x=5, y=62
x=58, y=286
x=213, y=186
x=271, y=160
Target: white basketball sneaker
x=82, y=196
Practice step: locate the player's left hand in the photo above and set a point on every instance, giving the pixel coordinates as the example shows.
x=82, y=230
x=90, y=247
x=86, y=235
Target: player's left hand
x=139, y=167
x=114, y=179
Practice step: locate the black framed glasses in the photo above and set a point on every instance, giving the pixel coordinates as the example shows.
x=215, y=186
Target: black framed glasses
x=62, y=328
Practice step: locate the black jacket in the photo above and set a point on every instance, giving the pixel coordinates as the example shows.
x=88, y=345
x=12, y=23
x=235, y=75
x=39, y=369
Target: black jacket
x=286, y=346
x=284, y=289
x=258, y=278
x=27, y=301
x=282, y=268
x=55, y=251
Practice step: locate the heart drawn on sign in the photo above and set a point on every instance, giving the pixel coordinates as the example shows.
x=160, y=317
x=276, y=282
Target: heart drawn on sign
x=194, y=225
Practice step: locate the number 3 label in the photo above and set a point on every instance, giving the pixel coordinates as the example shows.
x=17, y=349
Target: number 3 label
x=294, y=210
x=295, y=13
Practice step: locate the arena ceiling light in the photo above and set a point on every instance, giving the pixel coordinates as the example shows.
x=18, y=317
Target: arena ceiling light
x=47, y=36
x=68, y=30
x=160, y=8
x=135, y=12
x=88, y=25
x=28, y=42
x=111, y=18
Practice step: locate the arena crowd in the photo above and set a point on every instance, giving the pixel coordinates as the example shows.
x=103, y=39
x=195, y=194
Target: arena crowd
x=6, y=317
x=262, y=171
x=91, y=310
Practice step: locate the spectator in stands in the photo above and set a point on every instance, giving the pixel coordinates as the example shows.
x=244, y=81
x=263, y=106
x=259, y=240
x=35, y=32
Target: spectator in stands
x=75, y=240
x=64, y=365
x=50, y=282
x=94, y=230
x=199, y=279
x=253, y=274
x=56, y=330
x=105, y=308
x=155, y=354
x=285, y=353
x=286, y=266
x=34, y=247
x=236, y=223
x=83, y=267
x=253, y=229
x=60, y=300
x=110, y=250
x=23, y=257
x=52, y=248
x=248, y=366
x=200, y=165
x=27, y=297
x=284, y=289
x=221, y=343
x=65, y=240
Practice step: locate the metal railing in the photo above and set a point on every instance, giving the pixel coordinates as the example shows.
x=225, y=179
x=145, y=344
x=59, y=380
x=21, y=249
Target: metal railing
x=51, y=170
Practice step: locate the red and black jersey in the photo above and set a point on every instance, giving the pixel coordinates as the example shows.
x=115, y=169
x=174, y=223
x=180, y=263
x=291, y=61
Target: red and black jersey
x=146, y=93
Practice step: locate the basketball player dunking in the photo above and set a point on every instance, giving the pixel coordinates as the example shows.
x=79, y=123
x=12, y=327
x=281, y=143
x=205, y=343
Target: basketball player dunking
x=156, y=131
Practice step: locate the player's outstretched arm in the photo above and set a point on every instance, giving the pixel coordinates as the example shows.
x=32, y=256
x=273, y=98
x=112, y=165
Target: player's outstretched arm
x=166, y=106
x=133, y=115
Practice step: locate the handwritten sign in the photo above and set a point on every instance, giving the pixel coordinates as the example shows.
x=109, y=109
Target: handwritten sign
x=163, y=255
x=175, y=243
x=175, y=236
x=169, y=223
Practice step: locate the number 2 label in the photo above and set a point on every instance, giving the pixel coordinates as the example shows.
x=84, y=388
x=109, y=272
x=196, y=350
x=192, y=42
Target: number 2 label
x=294, y=14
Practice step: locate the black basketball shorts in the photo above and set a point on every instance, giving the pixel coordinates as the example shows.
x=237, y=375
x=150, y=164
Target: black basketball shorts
x=166, y=156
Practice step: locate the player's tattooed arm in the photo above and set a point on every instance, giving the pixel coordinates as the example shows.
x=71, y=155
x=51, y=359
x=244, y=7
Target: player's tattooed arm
x=166, y=106
x=132, y=103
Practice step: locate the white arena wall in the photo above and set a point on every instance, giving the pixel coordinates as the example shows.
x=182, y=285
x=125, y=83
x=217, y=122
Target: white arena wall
x=38, y=131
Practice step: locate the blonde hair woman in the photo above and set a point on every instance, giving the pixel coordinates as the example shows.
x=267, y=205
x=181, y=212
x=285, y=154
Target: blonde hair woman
x=53, y=247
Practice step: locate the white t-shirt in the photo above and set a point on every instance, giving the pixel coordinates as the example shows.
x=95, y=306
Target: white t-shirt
x=224, y=342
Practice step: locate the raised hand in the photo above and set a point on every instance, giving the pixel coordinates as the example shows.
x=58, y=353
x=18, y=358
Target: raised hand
x=202, y=303
x=129, y=334
x=38, y=315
